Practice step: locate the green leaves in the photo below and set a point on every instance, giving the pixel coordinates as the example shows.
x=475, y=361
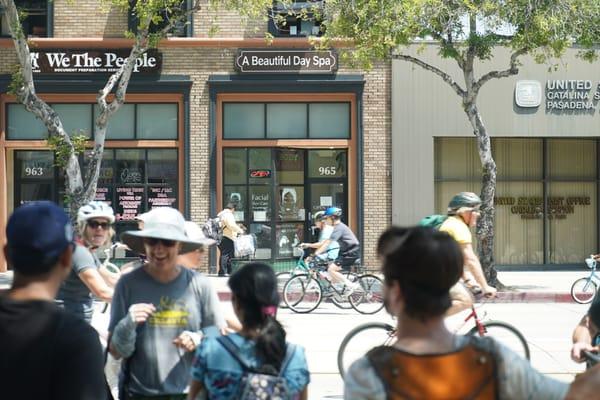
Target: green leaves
x=464, y=27
x=63, y=150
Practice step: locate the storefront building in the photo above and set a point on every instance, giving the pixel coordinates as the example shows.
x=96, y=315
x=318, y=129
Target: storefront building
x=545, y=128
x=203, y=126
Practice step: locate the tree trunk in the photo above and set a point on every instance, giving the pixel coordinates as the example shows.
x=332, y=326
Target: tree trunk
x=485, y=226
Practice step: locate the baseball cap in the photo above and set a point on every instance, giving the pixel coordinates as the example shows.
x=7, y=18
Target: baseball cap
x=37, y=233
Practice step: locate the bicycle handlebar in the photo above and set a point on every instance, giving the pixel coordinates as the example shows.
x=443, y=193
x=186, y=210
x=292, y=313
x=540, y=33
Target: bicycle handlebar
x=593, y=358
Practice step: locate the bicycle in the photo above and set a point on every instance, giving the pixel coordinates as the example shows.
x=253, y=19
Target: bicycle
x=304, y=292
x=366, y=336
x=584, y=289
x=302, y=268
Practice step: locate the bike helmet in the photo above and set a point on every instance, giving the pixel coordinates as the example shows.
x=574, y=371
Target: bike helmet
x=318, y=215
x=95, y=209
x=333, y=212
x=467, y=200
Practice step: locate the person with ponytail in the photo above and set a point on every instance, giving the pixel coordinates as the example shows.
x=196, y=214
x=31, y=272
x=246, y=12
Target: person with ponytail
x=261, y=342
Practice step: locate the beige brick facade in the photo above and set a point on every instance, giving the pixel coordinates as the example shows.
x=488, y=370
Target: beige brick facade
x=86, y=19
x=89, y=18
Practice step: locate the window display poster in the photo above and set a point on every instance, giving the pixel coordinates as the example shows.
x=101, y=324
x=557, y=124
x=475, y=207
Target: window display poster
x=129, y=202
x=104, y=194
x=162, y=196
x=262, y=233
x=291, y=203
x=260, y=203
x=287, y=237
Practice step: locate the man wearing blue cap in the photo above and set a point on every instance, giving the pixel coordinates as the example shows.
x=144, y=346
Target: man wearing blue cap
x=46, y=353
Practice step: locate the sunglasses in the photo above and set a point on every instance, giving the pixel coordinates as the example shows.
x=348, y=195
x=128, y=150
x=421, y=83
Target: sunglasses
x=164, y=242
x=95, y=224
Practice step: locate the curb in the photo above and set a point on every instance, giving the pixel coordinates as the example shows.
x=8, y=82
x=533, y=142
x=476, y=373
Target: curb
x=532, y=297
x=501, y=297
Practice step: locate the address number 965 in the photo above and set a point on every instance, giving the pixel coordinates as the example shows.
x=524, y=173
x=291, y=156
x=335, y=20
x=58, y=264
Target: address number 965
x=327, y=171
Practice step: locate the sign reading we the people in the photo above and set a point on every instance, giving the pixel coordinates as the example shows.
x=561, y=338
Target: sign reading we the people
x=78, y=61
x=287, y=61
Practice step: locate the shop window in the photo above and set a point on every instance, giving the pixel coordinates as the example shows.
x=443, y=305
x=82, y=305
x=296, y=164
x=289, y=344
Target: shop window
x=561, y=199
x=276, y=190
x=286, y=120
x=37, y=19
x=329, y=120
x=76, y=118
x=181, y=28
x=327, y=163
x=121, y=125
x=23, y=125
x=234, y=166
x=149, y=121
x=243, y=121
x=156, y=121
x=289, y=164
x=301, y=18
x=133, y=181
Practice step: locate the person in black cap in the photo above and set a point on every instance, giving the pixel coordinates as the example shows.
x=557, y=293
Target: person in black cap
x=46, y=352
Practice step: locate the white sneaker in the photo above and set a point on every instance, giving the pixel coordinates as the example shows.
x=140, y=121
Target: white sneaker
x=351, y=288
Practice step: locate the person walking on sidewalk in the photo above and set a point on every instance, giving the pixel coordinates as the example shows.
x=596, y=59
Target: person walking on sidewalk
x=463, y=212
x=159, y=311
x=231, y=230
x=87, y=277
x=427, y=361
x=46, y=352
x=261, y=343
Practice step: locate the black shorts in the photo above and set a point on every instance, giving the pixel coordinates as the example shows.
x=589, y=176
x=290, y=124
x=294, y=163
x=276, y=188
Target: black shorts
x=346, y=262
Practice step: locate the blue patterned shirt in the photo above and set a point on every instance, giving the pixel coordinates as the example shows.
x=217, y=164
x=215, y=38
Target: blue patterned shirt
x=220, y=374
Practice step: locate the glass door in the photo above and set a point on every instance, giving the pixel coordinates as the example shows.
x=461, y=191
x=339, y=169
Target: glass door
x=35, y=177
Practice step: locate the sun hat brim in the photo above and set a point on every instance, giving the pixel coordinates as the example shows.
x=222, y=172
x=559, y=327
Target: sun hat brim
x=135, y=239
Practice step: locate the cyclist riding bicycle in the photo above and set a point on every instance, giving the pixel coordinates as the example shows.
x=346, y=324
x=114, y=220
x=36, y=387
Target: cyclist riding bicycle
x=325, y=231
x=463, y=212
x=349, y=249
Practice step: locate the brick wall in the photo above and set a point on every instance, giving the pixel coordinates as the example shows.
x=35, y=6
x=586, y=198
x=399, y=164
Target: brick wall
x=87, y=18
x=229, y=24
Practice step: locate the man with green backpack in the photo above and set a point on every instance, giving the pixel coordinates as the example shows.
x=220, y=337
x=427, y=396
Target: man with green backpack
x=463, y=212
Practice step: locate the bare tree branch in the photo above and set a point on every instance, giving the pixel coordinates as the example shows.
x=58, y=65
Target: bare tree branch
x=513, y=69
x=447, y=78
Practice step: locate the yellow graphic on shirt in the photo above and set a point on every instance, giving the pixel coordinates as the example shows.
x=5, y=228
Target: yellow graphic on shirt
x=170, y=313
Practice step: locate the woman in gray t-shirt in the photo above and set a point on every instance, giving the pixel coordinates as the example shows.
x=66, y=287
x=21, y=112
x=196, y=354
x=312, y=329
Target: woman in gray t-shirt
x=94, y=221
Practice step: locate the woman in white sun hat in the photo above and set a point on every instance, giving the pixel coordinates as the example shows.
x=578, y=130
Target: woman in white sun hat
x=160, y=309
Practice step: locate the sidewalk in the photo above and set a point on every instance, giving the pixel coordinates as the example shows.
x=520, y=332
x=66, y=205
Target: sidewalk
x=523, y=286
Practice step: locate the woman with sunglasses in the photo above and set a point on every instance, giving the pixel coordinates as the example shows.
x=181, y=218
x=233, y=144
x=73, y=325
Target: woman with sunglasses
x=159, y=311
x=87, y=277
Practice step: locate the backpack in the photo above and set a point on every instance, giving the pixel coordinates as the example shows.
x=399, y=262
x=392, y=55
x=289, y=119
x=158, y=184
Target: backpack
x=259, y=384
x=433, y=221
x=213, y=229
x=469, y=373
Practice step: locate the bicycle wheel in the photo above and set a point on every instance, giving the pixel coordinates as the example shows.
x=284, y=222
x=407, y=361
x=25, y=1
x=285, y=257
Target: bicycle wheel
x=583, y=290
x=506, y=334
x=282, y=278
x=302, y=293
x=362, y=339
x=368, y=299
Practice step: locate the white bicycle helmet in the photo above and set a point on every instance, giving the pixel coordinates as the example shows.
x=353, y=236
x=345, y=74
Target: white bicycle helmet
x=95, y=209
